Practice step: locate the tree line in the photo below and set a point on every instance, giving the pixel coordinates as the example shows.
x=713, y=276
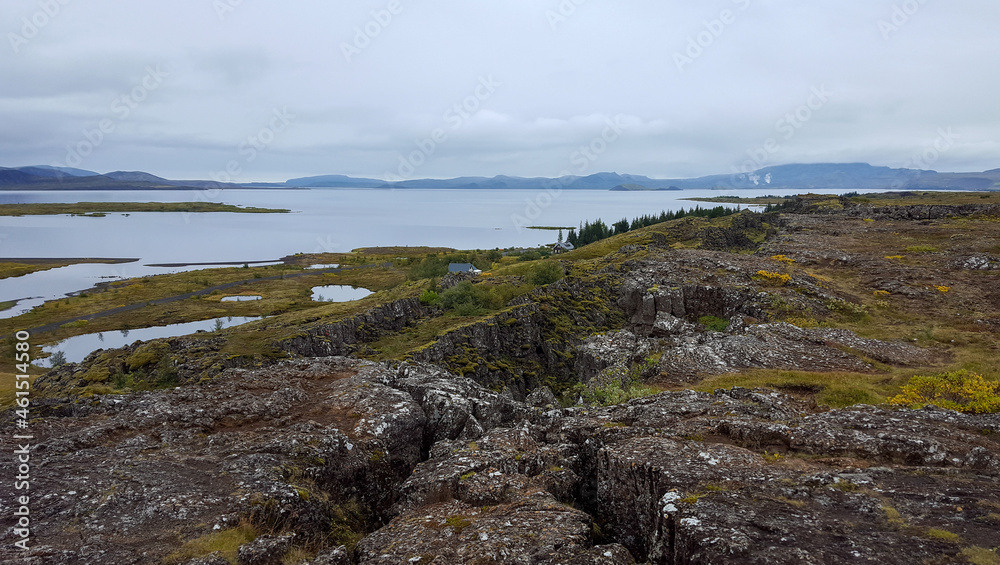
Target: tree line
x=589, y=232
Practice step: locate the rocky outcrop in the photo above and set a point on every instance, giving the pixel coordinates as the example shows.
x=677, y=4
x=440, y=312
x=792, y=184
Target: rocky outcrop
x=654, y=308
x=693, y=353
x=497, y=352
x=534, y=529
x=663, y=336
x=412, y=464
x=341, y=338
x=920, y=212
x=534, y=342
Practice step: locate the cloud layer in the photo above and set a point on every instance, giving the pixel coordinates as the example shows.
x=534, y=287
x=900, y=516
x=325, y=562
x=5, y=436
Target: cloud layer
x=483, y=88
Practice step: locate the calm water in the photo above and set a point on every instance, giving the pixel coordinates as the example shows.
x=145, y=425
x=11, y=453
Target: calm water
x=327, y=220
x=77, y=348
x=338, y=293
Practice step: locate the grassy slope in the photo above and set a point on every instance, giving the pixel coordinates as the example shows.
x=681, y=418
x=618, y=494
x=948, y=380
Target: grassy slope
x=944, y=322
x=941, y=321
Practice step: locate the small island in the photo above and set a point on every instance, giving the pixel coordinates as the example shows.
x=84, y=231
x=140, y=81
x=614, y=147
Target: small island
x=639, y=188
x=100, y=209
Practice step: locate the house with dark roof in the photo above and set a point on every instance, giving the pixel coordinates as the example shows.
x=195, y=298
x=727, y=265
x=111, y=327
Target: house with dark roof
x=463, y=268
x=562, y=247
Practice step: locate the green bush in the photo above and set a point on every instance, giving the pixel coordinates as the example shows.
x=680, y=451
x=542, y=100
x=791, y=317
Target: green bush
x=467, y=299
x=529, y=255
x=545, y=273
x=429, y=297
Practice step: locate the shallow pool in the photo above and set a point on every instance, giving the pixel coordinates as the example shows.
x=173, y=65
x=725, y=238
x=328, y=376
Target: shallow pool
x=77, y=348
x=338, y=293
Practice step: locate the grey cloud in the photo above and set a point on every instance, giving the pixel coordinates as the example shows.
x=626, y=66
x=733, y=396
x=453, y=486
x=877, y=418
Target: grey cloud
x=891, y=92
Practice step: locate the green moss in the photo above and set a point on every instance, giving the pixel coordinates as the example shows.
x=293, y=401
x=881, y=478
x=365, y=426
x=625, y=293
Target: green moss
x=457, y=522
x=147, y=354
x=96, y=374
x=893, y=516
x=226, y=542
x=942, y=535
x=714, y=323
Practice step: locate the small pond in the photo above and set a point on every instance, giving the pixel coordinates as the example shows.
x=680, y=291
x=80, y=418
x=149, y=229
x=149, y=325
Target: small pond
x=241, y=298
x=338, y=293
x=329, y=266
x=77, y=348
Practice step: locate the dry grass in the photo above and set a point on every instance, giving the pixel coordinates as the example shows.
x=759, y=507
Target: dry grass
x=836, y=390
x=981, y=556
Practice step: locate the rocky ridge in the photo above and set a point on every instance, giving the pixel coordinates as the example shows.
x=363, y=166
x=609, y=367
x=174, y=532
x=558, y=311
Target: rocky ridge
x=410, y=464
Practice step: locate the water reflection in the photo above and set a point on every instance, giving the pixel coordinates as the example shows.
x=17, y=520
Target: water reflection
x=77, y=348
x=338, y=293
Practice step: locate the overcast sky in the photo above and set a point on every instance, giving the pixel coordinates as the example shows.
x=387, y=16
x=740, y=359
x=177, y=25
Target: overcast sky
x=444, y=88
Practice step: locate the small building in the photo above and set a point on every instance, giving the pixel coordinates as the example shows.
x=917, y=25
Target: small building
x=463, y=268
x=562, y=247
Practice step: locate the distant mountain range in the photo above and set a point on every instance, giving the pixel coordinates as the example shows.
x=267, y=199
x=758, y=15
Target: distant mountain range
x=845, y=176
x=64, y=178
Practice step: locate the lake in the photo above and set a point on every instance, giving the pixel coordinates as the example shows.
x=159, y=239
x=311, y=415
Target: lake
x=323, y=220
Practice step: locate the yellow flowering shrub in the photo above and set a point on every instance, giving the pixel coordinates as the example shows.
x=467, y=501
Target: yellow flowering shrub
x=893, y=256
x=961, y=391
x=803, y=322
x=943, y=288
x=881, y=293
x=772, y=277
x=783, y=259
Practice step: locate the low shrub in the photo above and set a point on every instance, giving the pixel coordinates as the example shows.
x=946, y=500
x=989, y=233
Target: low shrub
x=960, y=390
x=467, y=299
x=772, y=277
x=545, y=273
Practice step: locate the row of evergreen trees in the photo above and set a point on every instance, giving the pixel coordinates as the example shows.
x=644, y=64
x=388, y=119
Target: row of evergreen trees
x=590, y=232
